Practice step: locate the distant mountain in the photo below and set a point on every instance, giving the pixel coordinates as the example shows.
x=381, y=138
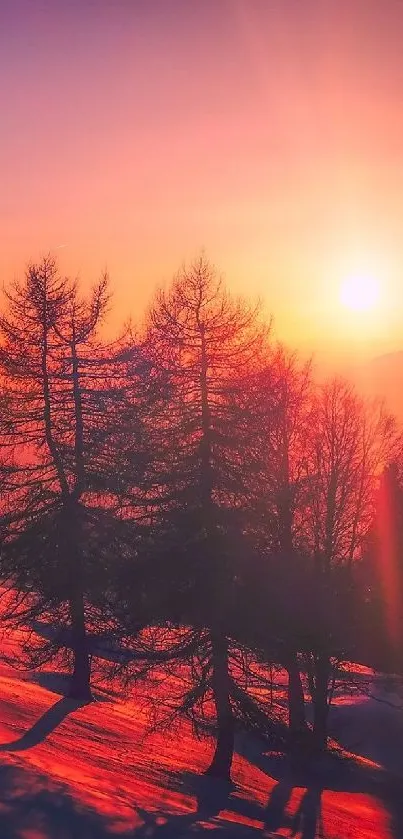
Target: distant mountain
x=383, y=376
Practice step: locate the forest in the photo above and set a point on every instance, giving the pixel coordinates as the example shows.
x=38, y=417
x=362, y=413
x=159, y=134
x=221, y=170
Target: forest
x=188, y=502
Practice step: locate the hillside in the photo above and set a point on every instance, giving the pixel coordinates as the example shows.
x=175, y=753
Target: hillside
x=379, y=377
x=383, y=376
x=91, y=771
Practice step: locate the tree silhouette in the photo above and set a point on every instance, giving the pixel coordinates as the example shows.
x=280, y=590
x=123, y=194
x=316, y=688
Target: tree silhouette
x=349, y=443
x=57, y=379
x=205, y=343
x=280, y=419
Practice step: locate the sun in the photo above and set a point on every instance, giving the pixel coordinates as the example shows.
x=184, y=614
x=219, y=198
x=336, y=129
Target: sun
x=360, y=293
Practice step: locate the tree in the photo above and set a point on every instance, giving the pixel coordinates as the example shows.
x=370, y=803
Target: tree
x=281, y=395
x=57, y=379
x=349, y=443
x=205, y=342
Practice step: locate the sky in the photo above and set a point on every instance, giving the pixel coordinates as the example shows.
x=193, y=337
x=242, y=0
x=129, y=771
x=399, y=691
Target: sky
x=134, y=133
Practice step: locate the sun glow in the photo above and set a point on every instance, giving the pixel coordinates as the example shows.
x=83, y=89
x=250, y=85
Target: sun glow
x=360, y=293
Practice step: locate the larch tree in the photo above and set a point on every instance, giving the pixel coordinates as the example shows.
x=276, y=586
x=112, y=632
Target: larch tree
x=281, y=416
x=206, y=343
x=57, y=377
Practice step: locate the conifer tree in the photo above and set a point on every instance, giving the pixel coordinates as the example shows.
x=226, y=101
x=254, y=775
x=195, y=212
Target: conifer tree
x=206, y=343
x=59, y=380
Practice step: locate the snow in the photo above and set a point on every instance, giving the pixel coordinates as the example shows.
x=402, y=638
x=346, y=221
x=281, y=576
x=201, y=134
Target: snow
x=69, y=771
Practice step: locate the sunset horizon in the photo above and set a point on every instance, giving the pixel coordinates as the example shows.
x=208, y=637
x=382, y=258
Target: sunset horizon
x=266, y=134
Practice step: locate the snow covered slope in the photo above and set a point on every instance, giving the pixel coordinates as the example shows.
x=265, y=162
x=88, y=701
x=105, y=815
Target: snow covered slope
x=91, y=771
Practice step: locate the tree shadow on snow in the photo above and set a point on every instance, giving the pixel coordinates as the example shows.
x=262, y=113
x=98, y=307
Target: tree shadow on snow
x=310, y=778
x=212, y=797
x=60, y=683
x=215, y=797
x=306, y=822
x=30, y=806
x=52, y=681
x=372, y=729
x=44, y=726
x=327, y=773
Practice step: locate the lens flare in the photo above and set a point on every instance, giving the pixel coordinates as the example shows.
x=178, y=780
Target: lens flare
x=388, y=556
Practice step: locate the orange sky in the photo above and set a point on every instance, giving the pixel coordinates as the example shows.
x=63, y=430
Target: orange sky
x=269, y=132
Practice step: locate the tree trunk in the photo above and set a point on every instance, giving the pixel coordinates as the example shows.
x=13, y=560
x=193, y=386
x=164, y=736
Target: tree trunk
x=80, y=686
x=220, y=766
x=296, y=700
x=321, y=705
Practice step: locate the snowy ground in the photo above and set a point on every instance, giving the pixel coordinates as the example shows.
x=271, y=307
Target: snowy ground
x=68, y=772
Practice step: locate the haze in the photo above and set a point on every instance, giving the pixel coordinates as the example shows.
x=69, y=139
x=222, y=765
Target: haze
x=269, y=133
